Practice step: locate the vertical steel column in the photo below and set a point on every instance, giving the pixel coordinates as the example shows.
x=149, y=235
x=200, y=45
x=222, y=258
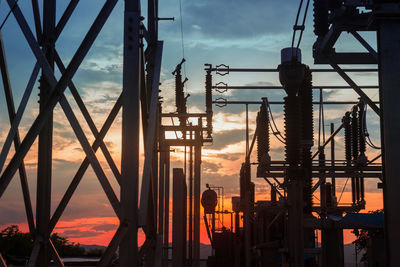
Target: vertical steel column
x=166, y=206
x=44, y=169
x=128, y=253
x=161, y=194
x=197, y=183
x=190, y=203
x=179, y=218
x=389, y=81
x=247, y=131
x=161, y=187
x=333, y=161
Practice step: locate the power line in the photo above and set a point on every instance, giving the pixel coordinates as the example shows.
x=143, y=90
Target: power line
x=275, y=131
x=301, y=27
x=364, y=130
x=182, y=36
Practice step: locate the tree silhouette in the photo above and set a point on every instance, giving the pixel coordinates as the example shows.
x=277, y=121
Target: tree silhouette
x=363, y=237
x=16, y=244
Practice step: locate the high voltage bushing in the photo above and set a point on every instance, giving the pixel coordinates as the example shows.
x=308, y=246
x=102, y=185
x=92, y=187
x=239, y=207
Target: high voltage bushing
x=291, y=76
x=348, y=150
x=209, y=111
x=362, y=159
x=263, y=145
x=180, y=100
x=306, y=98
x=354, y=132
x=292, y=129
x=347, y=137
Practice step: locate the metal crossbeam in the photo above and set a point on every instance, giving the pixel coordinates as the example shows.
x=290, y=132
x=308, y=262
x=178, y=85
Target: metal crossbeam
x=56, y=94
x=89, y=120
x=134, y=77
x=84, y=165
x=17, y=140
x=356, y=88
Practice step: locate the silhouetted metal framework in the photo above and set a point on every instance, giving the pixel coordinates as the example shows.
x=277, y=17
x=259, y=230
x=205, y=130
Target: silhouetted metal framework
x=142, y=52
x=320, y=169
x=333, y=17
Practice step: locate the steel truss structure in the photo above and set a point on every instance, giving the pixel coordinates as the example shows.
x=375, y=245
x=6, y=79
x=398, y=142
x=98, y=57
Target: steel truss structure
x=324, y=172
x=331, y=18
x=142, y=53
x=383, y=17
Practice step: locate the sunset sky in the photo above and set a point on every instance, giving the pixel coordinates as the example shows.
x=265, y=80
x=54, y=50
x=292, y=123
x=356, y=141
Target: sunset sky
x=237, y=33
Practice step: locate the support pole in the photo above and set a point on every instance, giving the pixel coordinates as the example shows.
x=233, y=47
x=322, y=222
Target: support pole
x=333, y=161
x=44, y=169
x=389, y=79
x=197, y=183
x=190, y=203
x=128, y=250
x=166, y=207
x=179, y=219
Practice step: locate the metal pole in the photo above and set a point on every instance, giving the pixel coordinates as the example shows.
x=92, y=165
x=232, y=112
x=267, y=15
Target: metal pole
x=161, y=188
x=191, y=203
x=389, y=79
x=128, y=250
x=247, y=132
x=166, y=206
x=44, y=168
x=333, y=158
x=197, y=183
x=178, y=218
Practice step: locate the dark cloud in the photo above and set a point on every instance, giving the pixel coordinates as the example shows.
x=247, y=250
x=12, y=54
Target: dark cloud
x=226, y=138
x=105, y=227
x=236, y=19
x=13, y=213
x=231, y=156
x=211, y=167
x=78, y=233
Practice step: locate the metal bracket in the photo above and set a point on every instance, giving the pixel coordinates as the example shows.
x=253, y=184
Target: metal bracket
x=220, y=102
x=221, y=87
x=222, y=71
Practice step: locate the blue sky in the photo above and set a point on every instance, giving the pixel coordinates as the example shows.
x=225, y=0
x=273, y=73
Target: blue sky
x=237, y=33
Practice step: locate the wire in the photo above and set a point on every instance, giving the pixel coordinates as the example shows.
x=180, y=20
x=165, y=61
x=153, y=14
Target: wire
x=364, y=130
x=341, y=194
x=8, y=14
x=301, y=27
x=297, y=19
x=182, y=36
x=275, y=131
x=303, y=24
